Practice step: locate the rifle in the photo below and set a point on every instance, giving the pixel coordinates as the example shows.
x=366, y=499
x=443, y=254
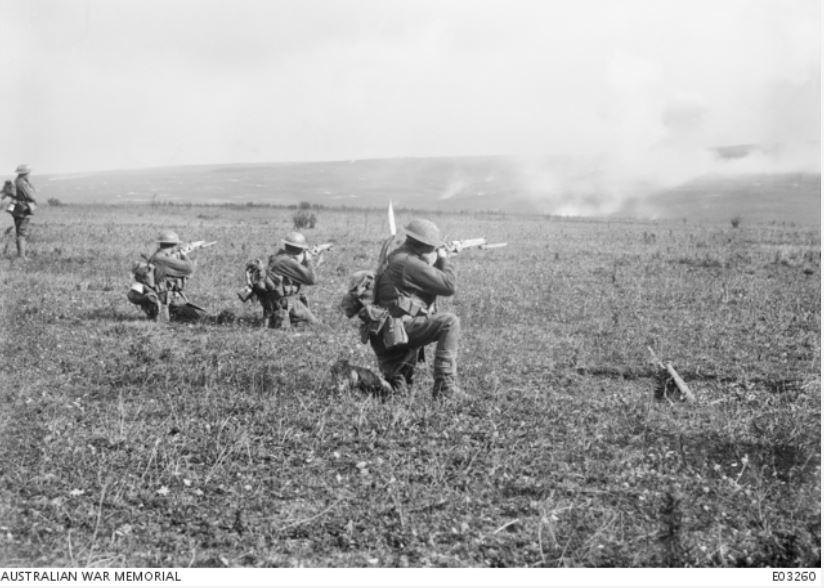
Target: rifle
x=479, y=243
x=189, y=303
x=187, y=248
x=387, y=243
x=318, y=249
x=677, y=380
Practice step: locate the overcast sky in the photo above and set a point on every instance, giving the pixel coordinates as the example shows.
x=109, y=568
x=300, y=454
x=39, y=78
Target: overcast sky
x=108, y=84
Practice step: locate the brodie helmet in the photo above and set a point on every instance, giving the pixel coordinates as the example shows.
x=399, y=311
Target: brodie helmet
x=424, y=231
x=296, y=240
x=168, y=238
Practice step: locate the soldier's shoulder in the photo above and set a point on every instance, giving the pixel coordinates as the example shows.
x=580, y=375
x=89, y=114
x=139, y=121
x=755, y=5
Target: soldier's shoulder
x=169, y=254
x=400, y=255
x=279, y=257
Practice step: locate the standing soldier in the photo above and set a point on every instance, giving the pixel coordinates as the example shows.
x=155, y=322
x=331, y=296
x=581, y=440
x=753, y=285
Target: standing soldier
x=415, y=274
x=25, y=205
x=278, y=286
x=163, y=278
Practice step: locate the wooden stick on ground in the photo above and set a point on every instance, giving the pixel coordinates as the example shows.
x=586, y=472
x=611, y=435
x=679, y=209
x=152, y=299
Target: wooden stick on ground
x=679, y=381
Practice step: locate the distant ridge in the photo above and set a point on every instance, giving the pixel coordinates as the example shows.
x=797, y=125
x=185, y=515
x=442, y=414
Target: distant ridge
x=791, y=197
x=450, y=184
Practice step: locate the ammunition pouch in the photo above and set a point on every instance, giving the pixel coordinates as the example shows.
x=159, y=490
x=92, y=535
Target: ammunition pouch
x=373, y=318
x=394, y=333
x=405, y=306
x=378, y=322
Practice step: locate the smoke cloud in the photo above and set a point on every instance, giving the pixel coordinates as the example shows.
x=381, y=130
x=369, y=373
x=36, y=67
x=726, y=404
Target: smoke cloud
x=653, y=138
x=596, y=100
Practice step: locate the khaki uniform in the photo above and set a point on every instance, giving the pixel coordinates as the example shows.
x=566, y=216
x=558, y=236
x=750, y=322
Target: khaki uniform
x=407, y=289
x=170, y=268
x=279, y=290
x=25, y=203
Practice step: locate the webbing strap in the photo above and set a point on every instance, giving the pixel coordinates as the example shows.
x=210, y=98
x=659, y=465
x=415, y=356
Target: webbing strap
x=409, y=306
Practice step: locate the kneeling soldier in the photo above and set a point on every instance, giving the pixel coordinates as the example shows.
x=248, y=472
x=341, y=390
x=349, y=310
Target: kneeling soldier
x=160, y=281
x=278, y=285
x=407, y=287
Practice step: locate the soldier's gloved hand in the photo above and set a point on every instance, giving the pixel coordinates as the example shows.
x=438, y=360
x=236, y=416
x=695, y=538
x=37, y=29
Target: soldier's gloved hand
x=442, y=252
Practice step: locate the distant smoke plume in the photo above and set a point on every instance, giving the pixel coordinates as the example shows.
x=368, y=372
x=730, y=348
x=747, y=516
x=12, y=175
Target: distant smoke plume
x=454, y=188
x=654, y=139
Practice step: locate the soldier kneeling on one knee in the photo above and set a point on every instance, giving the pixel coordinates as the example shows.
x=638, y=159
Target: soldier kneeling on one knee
x=160, y=281
x=278, y=285
x=407, y=287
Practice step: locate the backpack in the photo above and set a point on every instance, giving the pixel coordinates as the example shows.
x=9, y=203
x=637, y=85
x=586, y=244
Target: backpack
x=9, y=189
x=359, y=293
x=143, y=272
x=261, y=280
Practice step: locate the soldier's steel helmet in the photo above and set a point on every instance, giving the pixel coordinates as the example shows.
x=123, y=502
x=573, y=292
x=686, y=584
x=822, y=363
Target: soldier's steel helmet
x=23, y=168
x=296, y=240
x=168, y=237
x=424, y=231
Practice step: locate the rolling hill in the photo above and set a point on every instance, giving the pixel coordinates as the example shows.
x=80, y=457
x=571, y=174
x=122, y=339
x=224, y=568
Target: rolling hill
x=551, y=186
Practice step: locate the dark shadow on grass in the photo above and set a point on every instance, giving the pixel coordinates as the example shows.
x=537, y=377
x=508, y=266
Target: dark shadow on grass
x=227, y=317
x=177, y=314
x=109, y=315
x=180, y=314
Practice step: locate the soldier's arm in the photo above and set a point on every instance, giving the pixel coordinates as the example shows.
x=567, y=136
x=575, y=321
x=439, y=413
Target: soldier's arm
x=432, y=279
x=177, y=265
x=301, y=273
x=308, y=267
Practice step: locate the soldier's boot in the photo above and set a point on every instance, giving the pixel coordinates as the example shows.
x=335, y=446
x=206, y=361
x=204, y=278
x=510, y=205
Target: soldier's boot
x=21, y=247
x=281, y=320
x=163, y=313
x=446, y=385
x=150, y=309
x=398, y=384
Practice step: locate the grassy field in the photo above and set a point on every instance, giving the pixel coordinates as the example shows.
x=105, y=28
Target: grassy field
x=129, y=443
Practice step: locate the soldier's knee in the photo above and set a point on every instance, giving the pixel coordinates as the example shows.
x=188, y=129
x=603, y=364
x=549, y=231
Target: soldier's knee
x=450, y=321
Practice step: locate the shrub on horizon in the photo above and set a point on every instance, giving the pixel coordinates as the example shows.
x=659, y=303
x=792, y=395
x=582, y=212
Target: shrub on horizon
x=303, y=219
